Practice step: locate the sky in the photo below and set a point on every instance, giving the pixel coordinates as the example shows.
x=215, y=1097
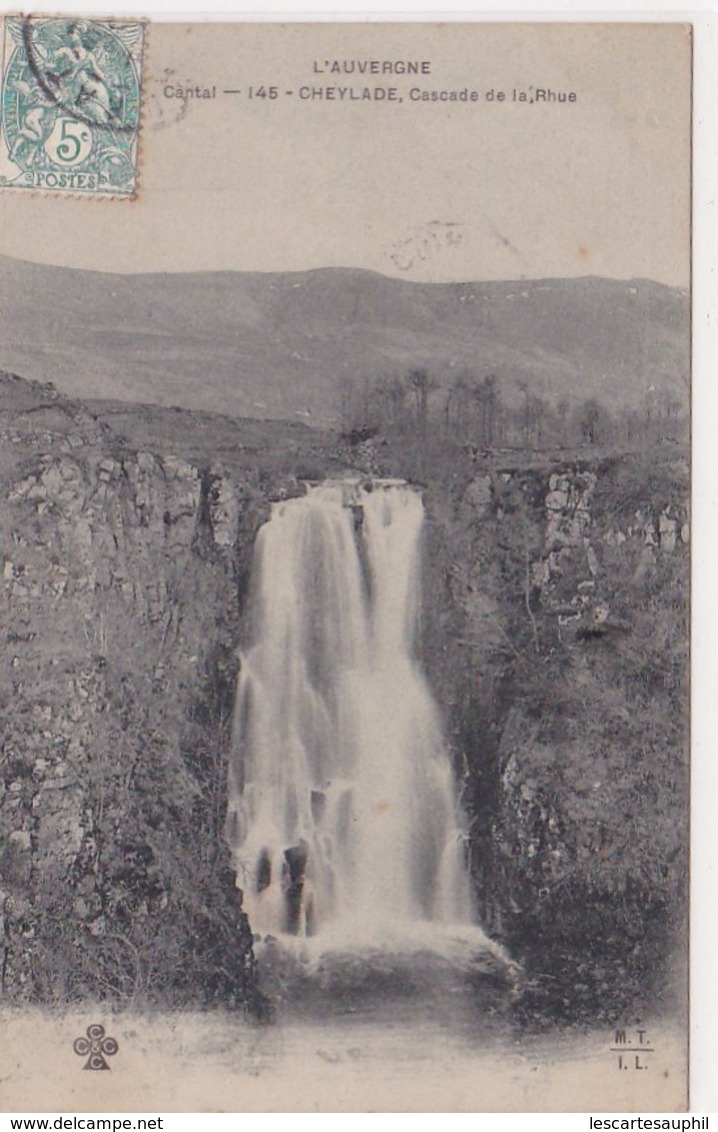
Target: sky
x=418, y=189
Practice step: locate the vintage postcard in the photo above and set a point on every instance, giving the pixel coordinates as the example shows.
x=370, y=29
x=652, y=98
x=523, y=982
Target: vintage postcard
x=344, y=538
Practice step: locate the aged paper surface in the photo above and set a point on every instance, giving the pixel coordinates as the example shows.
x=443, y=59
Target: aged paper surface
x=345, y=540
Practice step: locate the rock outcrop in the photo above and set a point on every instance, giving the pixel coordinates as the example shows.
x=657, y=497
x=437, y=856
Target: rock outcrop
x=121, y=581
x=557, y=640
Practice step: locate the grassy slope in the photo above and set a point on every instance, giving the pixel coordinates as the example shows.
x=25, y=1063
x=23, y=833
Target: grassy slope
x=271, y=447
x=279, y=345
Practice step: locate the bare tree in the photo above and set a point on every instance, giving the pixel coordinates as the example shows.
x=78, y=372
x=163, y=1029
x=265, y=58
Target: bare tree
x=562, y=414
x=421, y=384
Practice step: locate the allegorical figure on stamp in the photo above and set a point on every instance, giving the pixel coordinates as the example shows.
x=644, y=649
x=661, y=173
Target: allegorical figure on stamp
x=37, y=123
x=70, y=104
x=82, y=85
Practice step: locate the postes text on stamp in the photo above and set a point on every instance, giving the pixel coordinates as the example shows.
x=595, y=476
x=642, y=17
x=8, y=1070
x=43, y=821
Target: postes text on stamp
x=71, y=105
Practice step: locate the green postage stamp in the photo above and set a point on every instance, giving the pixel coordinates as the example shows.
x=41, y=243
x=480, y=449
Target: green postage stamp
x=71, y=105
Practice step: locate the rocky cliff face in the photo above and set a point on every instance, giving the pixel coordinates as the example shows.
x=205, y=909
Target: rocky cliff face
x=557, y=635
x=122, y=579
x=555, y=639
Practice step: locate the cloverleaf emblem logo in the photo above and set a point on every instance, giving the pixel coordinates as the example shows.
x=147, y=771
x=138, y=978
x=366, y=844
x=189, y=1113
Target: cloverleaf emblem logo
x=95, y=1047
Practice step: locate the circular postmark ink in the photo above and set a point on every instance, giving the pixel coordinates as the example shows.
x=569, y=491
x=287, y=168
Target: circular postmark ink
x=159, y=110
x=72, y=76
x=71, y=102
x=424, y=242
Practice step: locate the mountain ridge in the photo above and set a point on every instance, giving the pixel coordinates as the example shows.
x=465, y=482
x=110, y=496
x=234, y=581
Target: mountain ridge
x=281, y=345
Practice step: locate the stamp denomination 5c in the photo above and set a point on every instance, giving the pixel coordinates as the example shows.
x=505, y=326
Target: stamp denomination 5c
x=71, y=105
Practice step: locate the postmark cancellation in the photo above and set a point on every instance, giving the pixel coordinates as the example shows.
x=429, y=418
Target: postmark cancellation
x=71, y=105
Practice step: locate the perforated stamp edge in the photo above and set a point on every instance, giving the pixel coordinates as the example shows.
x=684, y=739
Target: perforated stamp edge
x=71, y=113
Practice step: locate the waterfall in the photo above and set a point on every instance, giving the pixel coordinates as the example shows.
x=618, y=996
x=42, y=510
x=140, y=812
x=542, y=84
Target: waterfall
x=343, y=812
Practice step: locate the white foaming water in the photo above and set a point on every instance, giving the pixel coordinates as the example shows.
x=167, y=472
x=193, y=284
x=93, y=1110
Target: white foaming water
x=343, y=814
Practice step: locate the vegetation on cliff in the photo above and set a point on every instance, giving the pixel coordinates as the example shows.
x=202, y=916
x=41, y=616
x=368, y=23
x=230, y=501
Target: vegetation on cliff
x=557, y=630
x=121, y=572
x=555, y=638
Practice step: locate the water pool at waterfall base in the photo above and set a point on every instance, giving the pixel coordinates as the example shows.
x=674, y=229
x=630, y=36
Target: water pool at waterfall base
x=461, y=975
x=350, y=843
x=345, y=818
